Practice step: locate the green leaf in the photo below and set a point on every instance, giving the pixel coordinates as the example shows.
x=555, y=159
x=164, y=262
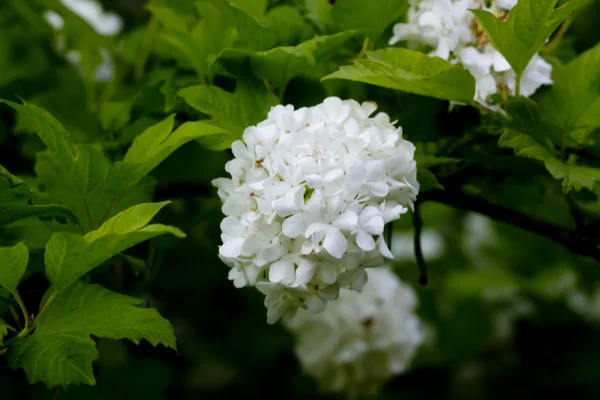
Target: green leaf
x=573, y=101
x=427, y=180
x=319, y=12
x=281, y=64
x=573, y=176
x=82, y=179
x=4, y=328
x=61, y=351
x=528, y=26
x=68, y=172
x=68, y=256
x=15, y=198
x=289, y=26
x=254, y=8
x=374, y=18
x=193, y=41
x=413, y=72
x=252, y=33
x=13, y=264
x=230, y=112
x=531, y=135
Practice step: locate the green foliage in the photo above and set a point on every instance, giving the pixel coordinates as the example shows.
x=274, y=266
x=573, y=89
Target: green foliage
x=373, y=18
x=90, y=253
x=528, y=26
x=281, y=64
x=15, y=198
x=412, y=72
x=532, y=137
x=4, y=329
x=573, y=101
x=61, y=351
x=14, y=263
x=68, y=256
x=231, y=112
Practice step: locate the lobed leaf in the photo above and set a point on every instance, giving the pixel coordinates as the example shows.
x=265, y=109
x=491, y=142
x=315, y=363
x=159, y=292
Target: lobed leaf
x=529, y=24
x=68, y=256
x=13, y=264
x=61, y=351
x=281, y=64
x=373, y=18
x=231, y=112
x=412, y=72
x=573, y=101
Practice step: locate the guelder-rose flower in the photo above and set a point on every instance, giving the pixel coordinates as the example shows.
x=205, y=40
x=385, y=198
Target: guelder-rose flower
x=361, y=340
x=309, y=193
x=453, y=33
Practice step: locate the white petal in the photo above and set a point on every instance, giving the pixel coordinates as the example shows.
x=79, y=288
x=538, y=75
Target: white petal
x=327, y=274
x=290, y=203
x=331, y=292
x=359, y=281
x=375, y=169
x=347, y=221
x=232, y=248
x=282, y=271
x=379, y=188
x=314, y=181
x=293, y=226
x=315, y=304
x=315, y=228
x=304, y=272
x=384, y=249
x=365, y=241
x=374, y=226
x=268, y=254
x=335, y=242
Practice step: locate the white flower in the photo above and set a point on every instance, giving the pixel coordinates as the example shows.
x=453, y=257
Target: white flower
x=361, y=340
x=309, y=194
x=441, y=24
x=104, y=23
x=451, y=29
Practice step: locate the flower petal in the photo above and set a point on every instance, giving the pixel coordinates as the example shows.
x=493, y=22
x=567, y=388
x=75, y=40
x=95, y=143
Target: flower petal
x=293, y=226
x=374, y=226
x=365, y=241
x=335, y=242
x=232, y=248
x=282, y=271
x=347, y=221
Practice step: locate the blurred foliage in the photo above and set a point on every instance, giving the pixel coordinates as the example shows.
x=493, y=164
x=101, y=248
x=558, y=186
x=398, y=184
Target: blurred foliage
x=510, y=313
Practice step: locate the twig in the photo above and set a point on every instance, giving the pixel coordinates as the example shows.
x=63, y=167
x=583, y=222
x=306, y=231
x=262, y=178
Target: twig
x=571, y=239
x=57, y=393
x=418, y=225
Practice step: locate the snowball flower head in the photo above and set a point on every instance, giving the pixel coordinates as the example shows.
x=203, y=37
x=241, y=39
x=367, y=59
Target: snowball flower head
x=453, y=33
x=309, y=194
x=361, y=340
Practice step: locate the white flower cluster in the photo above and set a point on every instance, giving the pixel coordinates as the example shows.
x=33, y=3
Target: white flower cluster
x=310, y=192
x=361, y=340
x=104, y=23
x=455, y=35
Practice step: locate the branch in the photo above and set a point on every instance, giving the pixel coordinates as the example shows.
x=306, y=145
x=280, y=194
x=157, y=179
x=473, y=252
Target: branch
x=418, y=225
x=573, y=240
